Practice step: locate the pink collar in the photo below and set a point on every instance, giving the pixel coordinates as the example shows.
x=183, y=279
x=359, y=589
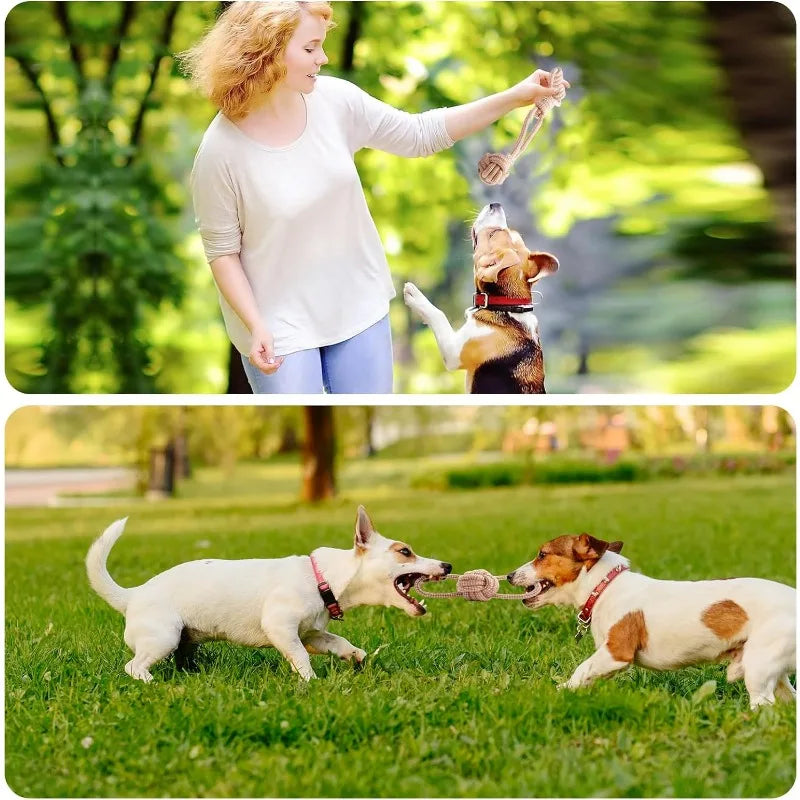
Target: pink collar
x=585, y=614
x=325, y=591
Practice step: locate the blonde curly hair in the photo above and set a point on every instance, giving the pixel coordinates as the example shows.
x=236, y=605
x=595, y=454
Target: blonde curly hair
x=241, y=58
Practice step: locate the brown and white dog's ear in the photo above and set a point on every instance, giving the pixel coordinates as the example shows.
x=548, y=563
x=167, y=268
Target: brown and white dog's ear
x=615, y=547
x=364, y=529
x=488, y=267
x=588, y=548
x=540, y=265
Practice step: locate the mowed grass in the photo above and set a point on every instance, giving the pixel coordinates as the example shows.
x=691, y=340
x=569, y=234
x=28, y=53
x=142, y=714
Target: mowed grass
x=461, y=702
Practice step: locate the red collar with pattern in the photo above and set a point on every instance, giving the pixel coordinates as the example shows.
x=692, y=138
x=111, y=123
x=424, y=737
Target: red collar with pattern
x=324, y=588
x=585, y=614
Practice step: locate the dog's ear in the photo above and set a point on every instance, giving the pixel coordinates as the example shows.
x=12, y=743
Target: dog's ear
x=364, y=529
x=615, y=547
x=489, y=266
x=588, y=548
x=540, y=265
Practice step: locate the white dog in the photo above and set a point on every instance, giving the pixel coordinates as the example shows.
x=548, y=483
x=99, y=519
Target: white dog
x=661, y=625
x=284, y=603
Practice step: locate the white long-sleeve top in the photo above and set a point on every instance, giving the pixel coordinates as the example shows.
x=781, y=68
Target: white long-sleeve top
x=298, y=218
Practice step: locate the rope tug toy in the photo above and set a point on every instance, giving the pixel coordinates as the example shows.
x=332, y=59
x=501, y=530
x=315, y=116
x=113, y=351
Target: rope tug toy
x=477, y=584
x=494, y=168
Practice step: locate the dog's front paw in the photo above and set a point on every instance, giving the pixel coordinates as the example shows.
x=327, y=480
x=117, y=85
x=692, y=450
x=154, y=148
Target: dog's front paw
x=356, y=655
x=414, y=299
x=358, y=658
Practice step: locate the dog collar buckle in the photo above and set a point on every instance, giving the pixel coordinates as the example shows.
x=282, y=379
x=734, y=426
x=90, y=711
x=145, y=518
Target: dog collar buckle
x=582, y=627
x=326, y=593
x=476, y=299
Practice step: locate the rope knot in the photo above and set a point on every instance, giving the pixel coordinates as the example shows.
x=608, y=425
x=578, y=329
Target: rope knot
x=494, y=168
x=478, y=584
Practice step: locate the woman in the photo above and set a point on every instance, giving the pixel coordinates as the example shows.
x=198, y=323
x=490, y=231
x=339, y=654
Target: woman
x=303, y=280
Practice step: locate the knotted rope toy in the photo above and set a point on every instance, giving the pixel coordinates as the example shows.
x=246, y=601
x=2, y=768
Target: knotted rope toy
x=477, y=584
x=494, y=168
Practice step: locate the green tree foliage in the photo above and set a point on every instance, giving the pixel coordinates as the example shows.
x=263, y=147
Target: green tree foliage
x=93, y=245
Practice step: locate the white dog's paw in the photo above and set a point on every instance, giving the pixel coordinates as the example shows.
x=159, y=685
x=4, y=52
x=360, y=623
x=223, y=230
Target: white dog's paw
x=356, y=655
x=562, y=686
x=137, y=673
x=414, y=298
x=411, y=294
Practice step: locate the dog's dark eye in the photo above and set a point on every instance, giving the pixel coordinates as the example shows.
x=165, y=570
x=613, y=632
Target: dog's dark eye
x=405, y=552
x=541, y=554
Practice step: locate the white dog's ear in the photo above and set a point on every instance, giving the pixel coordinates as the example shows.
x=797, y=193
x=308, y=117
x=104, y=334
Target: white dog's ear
x=364, y=529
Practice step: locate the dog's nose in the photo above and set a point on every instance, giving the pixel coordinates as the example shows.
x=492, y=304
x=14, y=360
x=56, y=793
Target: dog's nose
x=510, y=576
x=494, y=206
x=448, y=568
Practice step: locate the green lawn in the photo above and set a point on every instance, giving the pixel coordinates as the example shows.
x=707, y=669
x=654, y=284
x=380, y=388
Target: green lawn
x=459, y=703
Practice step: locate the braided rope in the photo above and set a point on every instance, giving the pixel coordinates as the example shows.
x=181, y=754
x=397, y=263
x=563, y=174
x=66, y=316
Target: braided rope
x=477, y=584
x=494, y=168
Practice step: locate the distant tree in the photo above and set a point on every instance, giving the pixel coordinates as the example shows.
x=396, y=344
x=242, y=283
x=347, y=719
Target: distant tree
x=319, y=452
x=756, y=44
x=87, y=237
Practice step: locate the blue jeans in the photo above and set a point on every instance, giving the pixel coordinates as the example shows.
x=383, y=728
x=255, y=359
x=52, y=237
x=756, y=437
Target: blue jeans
x=359, y=365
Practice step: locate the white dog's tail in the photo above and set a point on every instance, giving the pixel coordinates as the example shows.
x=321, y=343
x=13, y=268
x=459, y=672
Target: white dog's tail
x=114, y=594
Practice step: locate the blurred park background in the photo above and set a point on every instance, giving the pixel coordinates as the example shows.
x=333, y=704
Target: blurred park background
x=665, y=185
x=285, y=456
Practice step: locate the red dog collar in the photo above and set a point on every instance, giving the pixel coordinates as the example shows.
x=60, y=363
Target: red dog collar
x=490, y=301
x=328, y=597
x=483, y=300
x=585, y=614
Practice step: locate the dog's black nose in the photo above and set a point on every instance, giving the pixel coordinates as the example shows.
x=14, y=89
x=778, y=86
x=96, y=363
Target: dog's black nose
x=510, y=576
x=494, y=206
x=448, y=568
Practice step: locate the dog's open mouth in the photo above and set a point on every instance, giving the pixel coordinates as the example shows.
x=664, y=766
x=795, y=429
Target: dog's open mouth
x=404, y=583
x=540, y=587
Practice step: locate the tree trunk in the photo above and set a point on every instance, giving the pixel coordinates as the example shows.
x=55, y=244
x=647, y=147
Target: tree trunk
x=755, y=44
x=352, y=35
x=318, y=454
x=237, y=380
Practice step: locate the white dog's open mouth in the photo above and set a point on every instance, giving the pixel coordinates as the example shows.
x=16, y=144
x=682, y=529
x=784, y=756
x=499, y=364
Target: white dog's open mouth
x=543, y=585
x=404, y=583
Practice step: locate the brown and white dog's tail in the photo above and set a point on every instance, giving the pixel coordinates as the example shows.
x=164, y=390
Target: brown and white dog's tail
x=114, y=594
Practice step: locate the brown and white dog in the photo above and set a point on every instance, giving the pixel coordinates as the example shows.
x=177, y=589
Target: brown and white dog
x=667, y=624
x=499, y=344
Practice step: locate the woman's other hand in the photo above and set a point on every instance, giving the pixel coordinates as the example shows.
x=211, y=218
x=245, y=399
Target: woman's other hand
x=261, y=353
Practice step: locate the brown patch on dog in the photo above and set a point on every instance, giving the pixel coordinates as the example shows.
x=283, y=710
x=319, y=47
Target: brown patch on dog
x=562, y=559
x=507, y=360
x=556, y=561
x=502, y=258
x=396, y=547
x=589, y=549
x=502, y=341
x=627, y=637
x=724, y=618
